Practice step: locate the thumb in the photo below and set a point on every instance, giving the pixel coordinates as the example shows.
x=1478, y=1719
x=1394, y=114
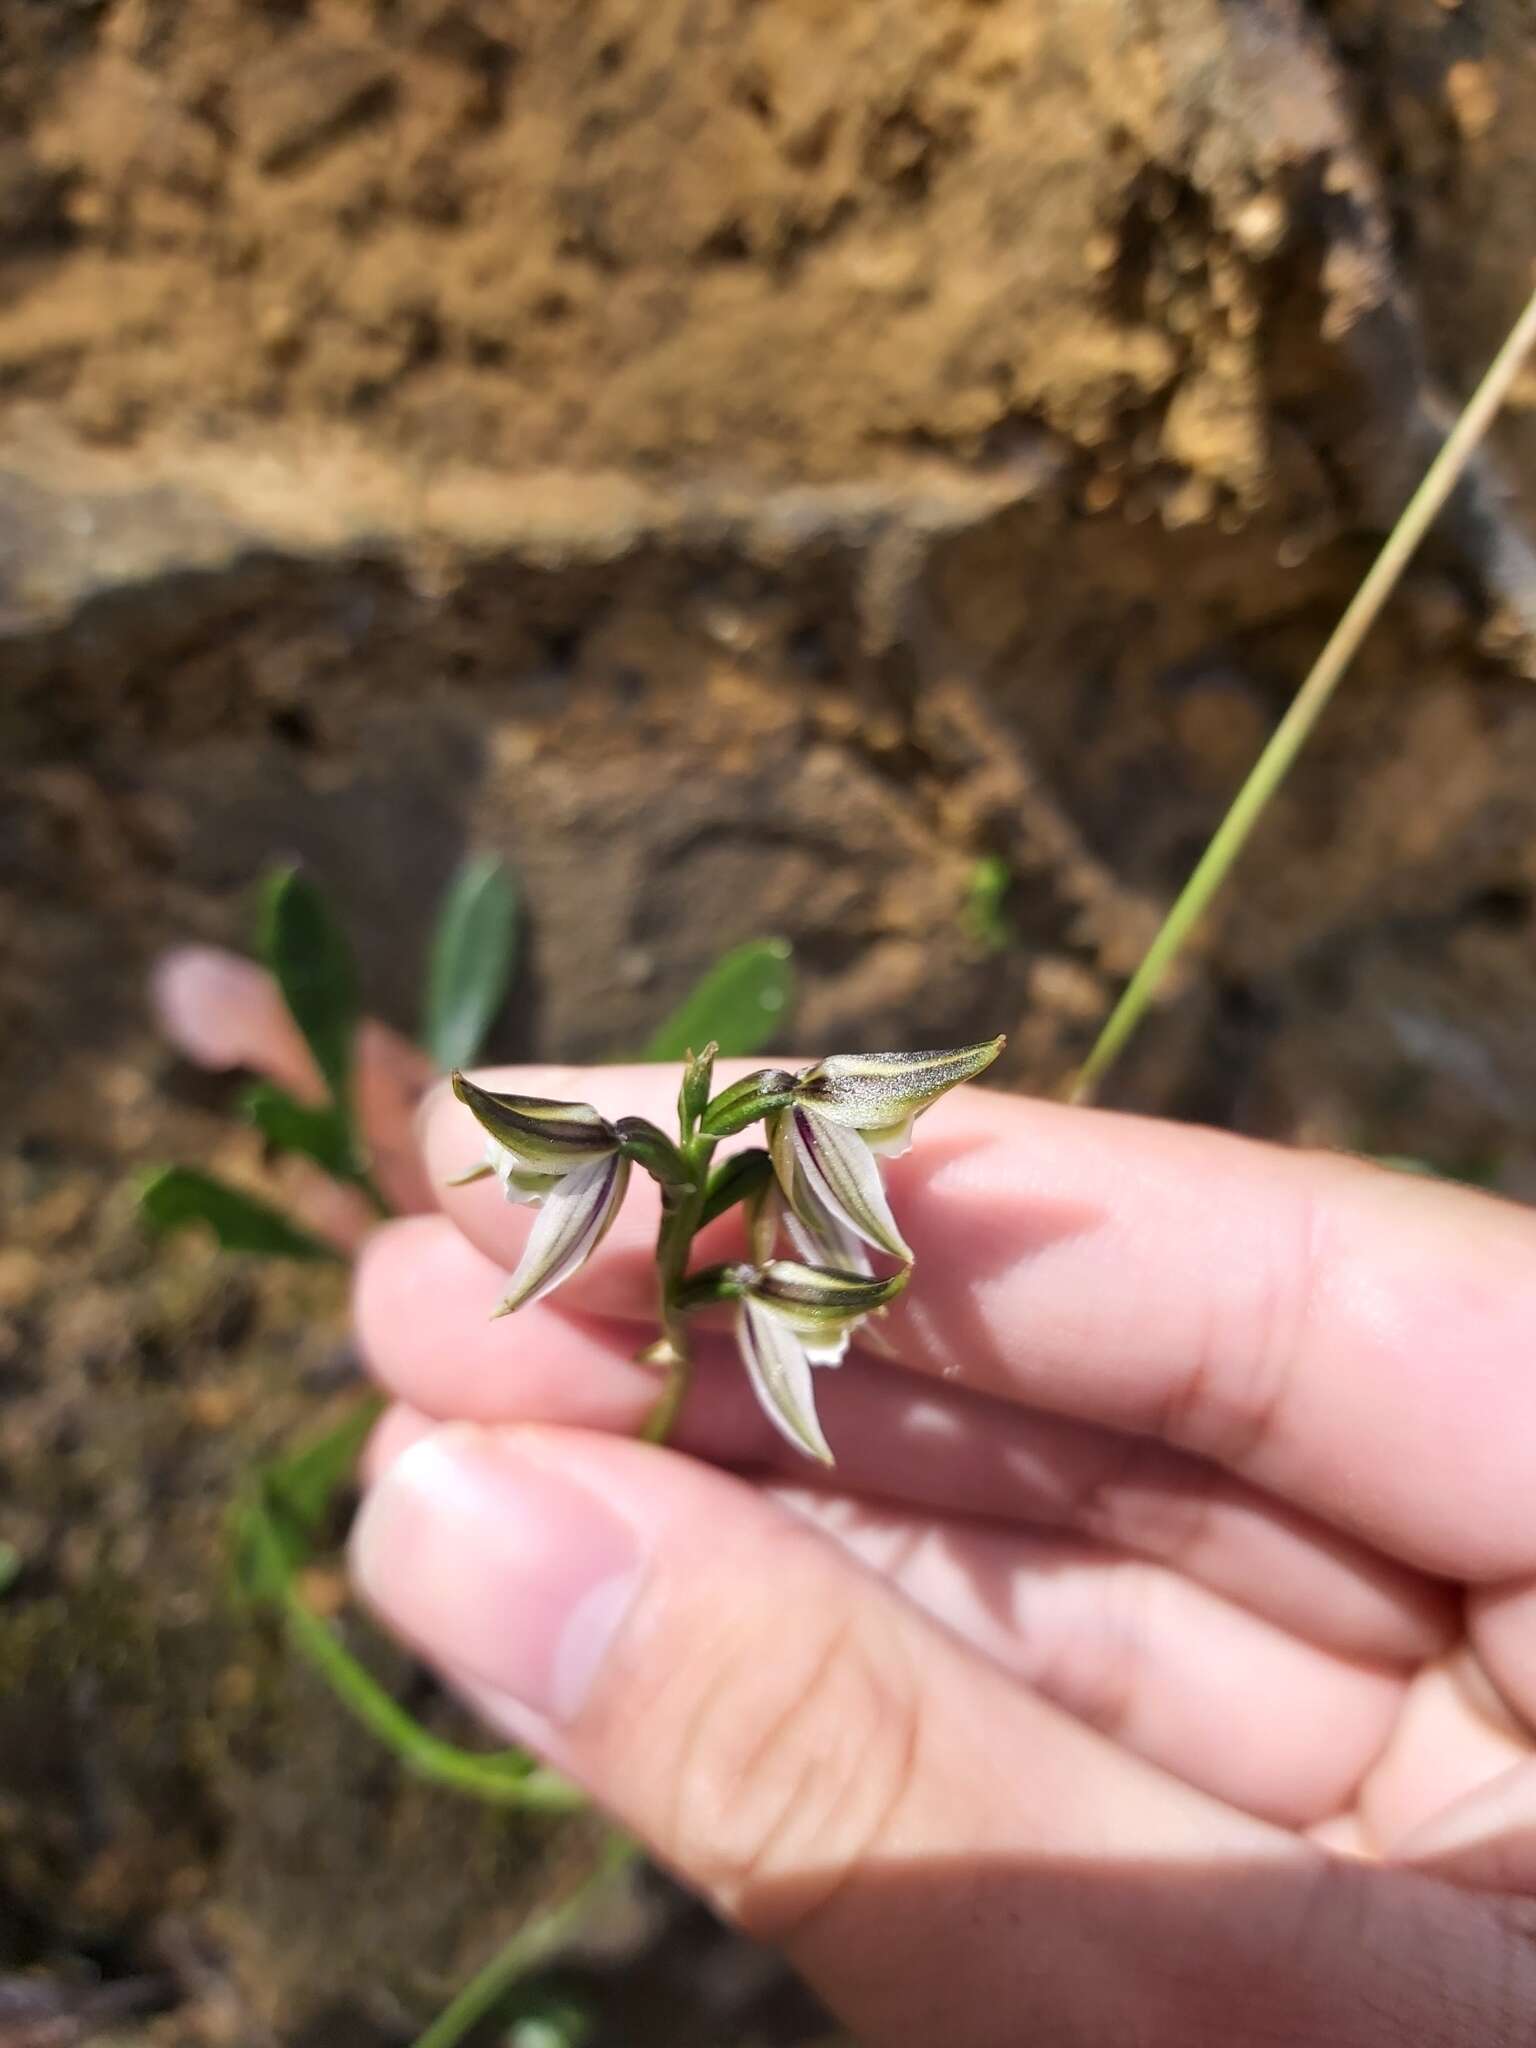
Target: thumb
x=944, y=1855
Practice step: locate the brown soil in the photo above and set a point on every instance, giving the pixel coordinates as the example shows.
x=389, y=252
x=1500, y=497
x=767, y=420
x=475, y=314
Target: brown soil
x=746, y=462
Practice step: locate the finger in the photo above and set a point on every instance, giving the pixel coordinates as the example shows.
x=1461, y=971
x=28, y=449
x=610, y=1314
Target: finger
x=941, y=1851
x=1486, y=1841
x=422, y=1308
x=391, y=1436
x=1452, y=1737
x=1501, y=1623
x=1184, y=1679
x=392, y=1077
x=1167, y=1669
x=222, y=1011
x=329, y=1209
x=1354, y=1339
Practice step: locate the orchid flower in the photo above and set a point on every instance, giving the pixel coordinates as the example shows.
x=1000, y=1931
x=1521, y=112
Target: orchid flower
x=560, y=1158
x=792, y=1317
x=845, y=1112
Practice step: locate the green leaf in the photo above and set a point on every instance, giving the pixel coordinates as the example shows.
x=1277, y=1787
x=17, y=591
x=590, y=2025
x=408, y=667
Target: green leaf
x=317, y=1132
x=280, y=1517
x=172, y=1197
x=309, y=956
x=740, y=1004
x=474, y=948
x=10, y=1566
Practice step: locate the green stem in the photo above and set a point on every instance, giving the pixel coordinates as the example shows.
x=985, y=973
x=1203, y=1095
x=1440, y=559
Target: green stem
x=1307, y=706
x=507, y=1779
x=527, y=1949
x=674, y=1243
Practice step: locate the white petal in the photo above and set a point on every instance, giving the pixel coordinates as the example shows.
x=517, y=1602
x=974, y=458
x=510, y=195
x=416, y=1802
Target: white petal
x=517, y=1183
x=571, y=1224
x=891, y=1141
x=842, y=1173
x=780, y=1373
x=830, y=1347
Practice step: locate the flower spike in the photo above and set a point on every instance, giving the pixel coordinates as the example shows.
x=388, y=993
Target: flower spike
x=818, y=1183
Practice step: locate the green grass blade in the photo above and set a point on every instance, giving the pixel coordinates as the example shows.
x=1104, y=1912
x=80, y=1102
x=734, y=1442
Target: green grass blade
x=1308, y=705
x=309, y=956
x=741, y=1004
x=176, y=1197
x=474, y=950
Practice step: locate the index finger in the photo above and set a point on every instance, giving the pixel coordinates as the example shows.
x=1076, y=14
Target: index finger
x=1360, y=1341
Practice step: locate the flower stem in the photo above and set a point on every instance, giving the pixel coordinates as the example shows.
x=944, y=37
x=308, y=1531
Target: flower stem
x=680, y=1219
x=1308, y=704
x=504, y=1778
x=532, y=1944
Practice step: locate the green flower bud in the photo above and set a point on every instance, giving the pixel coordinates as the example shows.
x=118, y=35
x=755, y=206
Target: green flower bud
x=654, y=1150
x=747, y=1100
x=742, y=1178
x=698, y=1075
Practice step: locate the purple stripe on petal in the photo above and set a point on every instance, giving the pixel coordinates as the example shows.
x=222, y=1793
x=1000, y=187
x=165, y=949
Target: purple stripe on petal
x=780, y=1374
x=843, y=1175
x=570, y=1226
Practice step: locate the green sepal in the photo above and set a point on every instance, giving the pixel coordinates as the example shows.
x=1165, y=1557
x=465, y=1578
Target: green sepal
x=757, y=1095
x=739, y=1179
x=542, y=1136
x=808, y=1297
x=872, y=1091
x=652, y=1150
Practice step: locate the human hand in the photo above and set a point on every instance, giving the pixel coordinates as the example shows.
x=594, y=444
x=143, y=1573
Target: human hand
x=1159, y=1662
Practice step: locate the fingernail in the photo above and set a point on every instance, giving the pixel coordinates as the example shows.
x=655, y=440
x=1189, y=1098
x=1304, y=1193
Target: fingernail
x=200, y=996
x=498, y=1566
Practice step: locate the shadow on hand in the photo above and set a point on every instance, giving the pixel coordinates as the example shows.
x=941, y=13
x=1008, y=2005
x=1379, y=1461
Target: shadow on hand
x=1295, y=1949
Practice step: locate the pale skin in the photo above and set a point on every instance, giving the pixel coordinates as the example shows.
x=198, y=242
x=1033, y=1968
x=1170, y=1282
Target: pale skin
x=1157, y=1665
